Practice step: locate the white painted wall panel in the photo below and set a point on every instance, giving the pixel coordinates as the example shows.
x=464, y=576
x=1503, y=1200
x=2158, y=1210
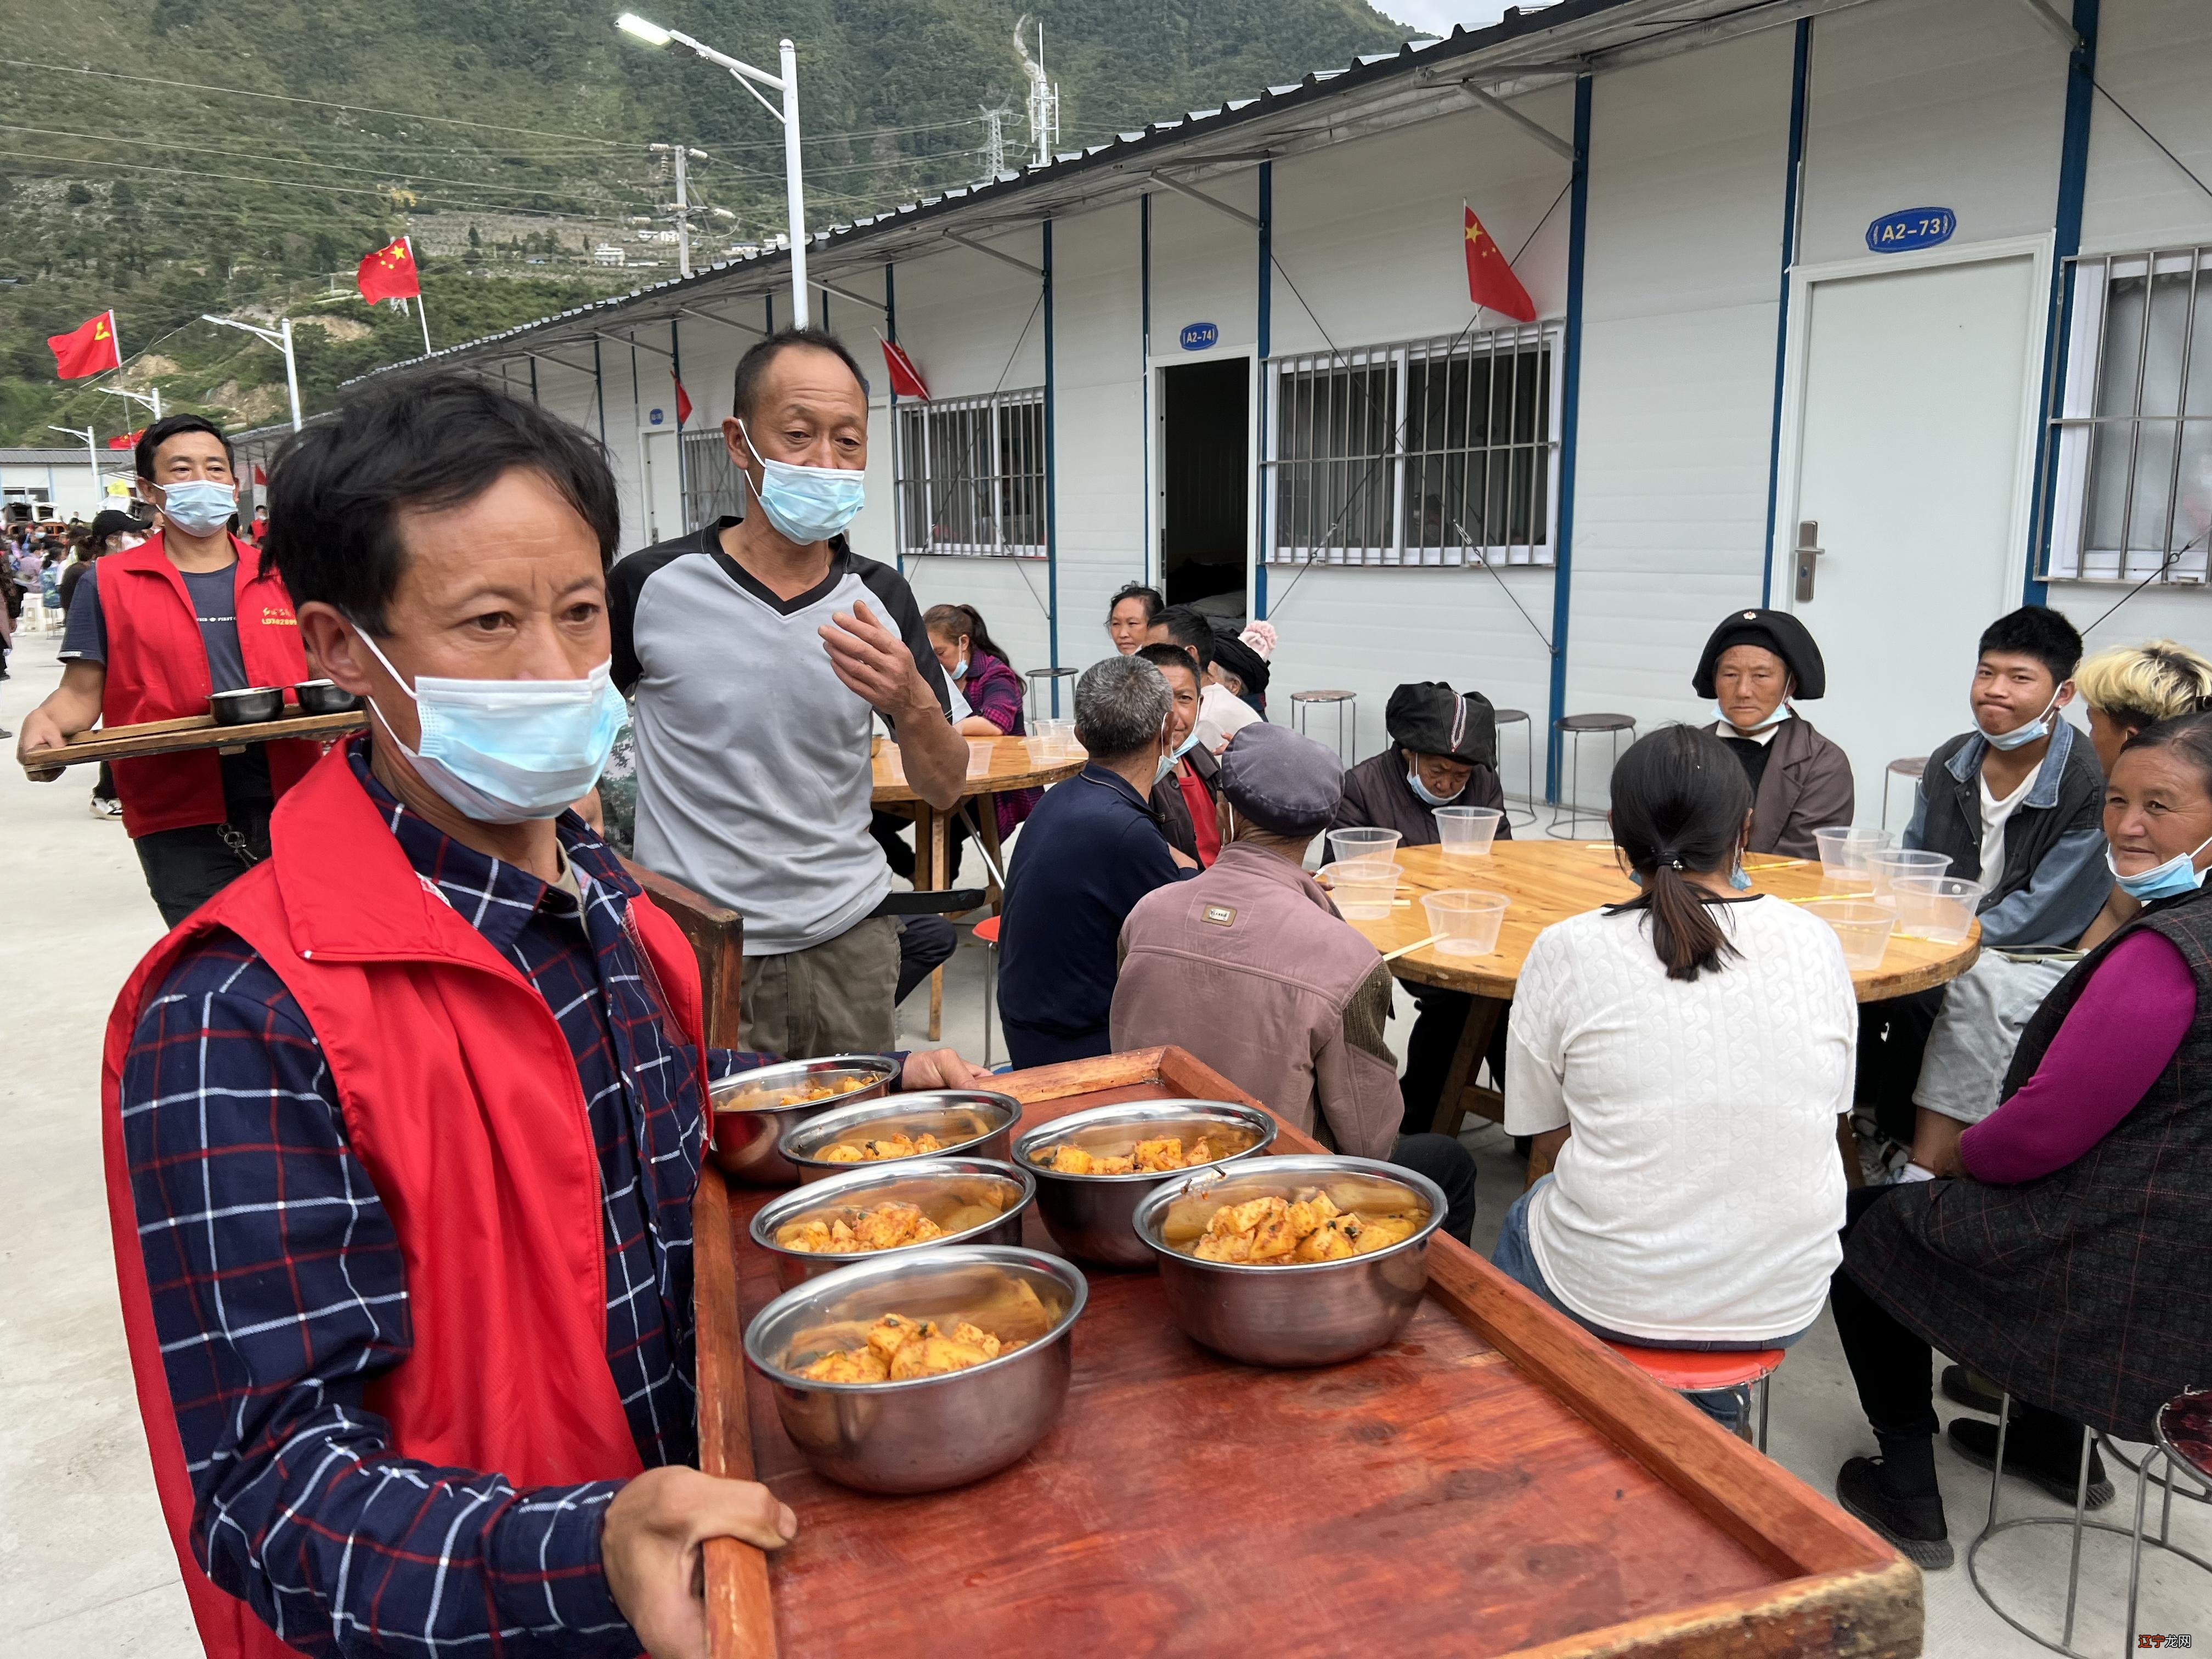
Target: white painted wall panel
x=1680, y=303
x=1205, y=265
x=2155, y=56
x=1931, y=103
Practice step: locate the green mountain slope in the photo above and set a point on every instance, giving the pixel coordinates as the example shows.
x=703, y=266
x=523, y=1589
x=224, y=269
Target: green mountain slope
x=508, y=138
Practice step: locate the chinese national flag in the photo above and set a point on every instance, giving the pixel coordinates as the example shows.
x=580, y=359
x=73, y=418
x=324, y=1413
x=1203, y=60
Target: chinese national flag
x=389, y=274
x=260, y=475
x=906, y=379
x=1490, y=278
x=128, y=441
x=683, y=404
x=86, y=350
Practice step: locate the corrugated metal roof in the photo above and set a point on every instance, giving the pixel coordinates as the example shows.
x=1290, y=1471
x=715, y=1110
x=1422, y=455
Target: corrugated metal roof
x=42, y=456
x=1426, y=70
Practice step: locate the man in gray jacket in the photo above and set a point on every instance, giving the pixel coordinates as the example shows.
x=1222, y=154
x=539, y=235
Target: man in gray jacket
x=1248, y=967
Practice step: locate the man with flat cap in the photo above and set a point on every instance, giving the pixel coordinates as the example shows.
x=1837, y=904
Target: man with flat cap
x=1248, y=967
x=1756, y=666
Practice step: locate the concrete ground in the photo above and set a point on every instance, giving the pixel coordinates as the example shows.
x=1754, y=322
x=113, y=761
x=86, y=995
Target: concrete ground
x=85, y=1566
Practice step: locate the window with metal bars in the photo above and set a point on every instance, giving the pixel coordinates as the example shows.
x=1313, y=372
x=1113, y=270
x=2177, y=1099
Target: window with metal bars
x=1433, y=452
x=2134, y=427
x=712, y=486
x=971, y=476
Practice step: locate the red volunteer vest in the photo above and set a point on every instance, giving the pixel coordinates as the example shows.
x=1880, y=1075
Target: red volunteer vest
x=461, y=1096
x=157, y=670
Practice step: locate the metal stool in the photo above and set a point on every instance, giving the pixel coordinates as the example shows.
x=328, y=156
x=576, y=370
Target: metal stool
x=1574, y=725
x=2079, y=1523
x=1742, y=1372
x=1044, y=687
x=1347, y=716
x=1506, y=717
x=986, y=933
x=1911, y=768
x=2185, y=1437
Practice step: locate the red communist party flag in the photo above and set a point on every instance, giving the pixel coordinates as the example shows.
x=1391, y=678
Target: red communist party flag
x=389, y=274
x=128, y=441
x=260, y=475
x=86, y=350
x=906, y=379
x=1490, y=278
x=683, y=403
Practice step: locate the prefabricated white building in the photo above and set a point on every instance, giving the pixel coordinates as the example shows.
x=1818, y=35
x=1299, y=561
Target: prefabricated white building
x=1867, y=276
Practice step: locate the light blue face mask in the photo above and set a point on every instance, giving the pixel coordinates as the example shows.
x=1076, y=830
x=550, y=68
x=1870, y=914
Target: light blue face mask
x=807, y=504
x=2179, y=874
x=199, y=506
x=2020, y=736
x=503, y=751
x=1186, y=745
x=960, y=669
x=1783, y=712
x=1424, y=792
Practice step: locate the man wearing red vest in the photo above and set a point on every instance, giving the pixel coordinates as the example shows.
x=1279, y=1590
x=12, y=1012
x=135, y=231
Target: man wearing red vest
x=153, y=630
x=403, y=1128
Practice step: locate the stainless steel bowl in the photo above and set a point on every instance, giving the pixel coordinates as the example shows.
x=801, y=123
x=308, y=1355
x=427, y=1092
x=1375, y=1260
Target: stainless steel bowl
x=930, y=1432
x=247, y=707
x=324, y=697
x=747, y=1127
x=1089, y=1216
x=967, y=1123
x=975, y=1200
x=1307, y=1313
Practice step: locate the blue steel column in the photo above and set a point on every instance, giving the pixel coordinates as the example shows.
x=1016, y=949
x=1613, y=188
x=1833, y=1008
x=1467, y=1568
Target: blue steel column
x=2073, y=178
x=1260, y=378
x=1800, y=77
x=533, y=384
x=599, y=389
x=891, y=333
x=1051, y=482
x=1571, y=401
x=1145, y=367
x=676, y=380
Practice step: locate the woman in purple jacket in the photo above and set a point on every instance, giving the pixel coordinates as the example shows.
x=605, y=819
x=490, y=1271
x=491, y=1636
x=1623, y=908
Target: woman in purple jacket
x=979, y=670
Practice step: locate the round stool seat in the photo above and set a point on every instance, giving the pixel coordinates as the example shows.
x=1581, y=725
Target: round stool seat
x=1693, y=1371
x=1321, y=696
x=1507, y=716
x=1597, y=722
x=1911, y=767
x=2185, y=1429
x=987, y=929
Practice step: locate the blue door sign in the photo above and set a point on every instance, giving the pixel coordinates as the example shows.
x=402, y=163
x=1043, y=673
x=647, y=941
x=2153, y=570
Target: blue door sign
x=1915, y=228
x=656, y=417
x=1196, y=337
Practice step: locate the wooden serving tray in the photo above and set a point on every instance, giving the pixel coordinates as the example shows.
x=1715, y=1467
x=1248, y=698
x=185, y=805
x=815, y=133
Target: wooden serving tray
x=110, y=743
x=1495, y=1482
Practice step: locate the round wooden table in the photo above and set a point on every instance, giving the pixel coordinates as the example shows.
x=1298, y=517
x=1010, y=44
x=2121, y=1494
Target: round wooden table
x=1550, y=881
x=1015, y=764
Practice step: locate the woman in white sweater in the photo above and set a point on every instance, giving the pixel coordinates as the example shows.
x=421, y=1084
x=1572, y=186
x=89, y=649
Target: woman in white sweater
x=1685, y=1056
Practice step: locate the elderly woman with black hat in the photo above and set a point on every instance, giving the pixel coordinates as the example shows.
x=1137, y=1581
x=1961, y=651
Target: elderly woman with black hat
x=1755, y=666
x=1443, y=752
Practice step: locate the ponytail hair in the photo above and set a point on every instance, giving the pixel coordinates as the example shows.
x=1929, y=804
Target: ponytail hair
x=1679, y=799
x=956, y=620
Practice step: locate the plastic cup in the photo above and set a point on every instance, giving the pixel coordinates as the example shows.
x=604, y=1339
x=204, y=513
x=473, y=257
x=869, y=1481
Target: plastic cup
x=1363, y=843
x=1466, y=920
x=1864, y=930
x=1891, y=863
x=1844, y=852
x=1466, y=831
x=1364, y=889
x=1938, y=908
x=979, y=757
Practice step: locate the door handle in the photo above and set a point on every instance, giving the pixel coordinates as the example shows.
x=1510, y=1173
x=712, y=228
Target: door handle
x=1808, y=552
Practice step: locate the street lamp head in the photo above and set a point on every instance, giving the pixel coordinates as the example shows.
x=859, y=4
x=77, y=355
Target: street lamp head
x=652, y=34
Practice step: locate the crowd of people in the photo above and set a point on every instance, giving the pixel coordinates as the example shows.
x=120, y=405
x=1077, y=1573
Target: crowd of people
x=392, y=964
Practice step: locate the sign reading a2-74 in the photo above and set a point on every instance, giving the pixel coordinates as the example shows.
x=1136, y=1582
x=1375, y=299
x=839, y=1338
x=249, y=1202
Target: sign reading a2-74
x=1900, y=233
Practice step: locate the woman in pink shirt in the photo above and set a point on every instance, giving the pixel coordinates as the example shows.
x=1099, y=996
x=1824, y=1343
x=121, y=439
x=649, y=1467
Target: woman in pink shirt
x=2062, y=1256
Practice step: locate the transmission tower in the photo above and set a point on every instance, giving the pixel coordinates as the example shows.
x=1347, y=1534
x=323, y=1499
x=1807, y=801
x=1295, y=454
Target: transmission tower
x=1044, y=96
x=995, y=142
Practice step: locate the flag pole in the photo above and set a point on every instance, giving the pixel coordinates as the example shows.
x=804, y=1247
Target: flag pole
x=421, y=309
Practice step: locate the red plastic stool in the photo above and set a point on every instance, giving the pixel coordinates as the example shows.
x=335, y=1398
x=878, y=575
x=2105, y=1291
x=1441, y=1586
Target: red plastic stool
x=988, y=931
x=1742, y=1371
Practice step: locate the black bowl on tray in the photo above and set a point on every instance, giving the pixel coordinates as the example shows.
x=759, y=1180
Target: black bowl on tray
x=249, y=706
x=324, y=697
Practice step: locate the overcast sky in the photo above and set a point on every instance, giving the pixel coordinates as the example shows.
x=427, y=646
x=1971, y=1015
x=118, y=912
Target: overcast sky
x=1437, y=16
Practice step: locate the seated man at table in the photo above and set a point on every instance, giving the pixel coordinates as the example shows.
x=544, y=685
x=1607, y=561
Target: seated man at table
x=1757, y=665
x=1092, y=849
x=403, y=1128
x=1249, y=967
x=1221, y=712
x=1443, y=752
x=152, y=632
x=1184, y=797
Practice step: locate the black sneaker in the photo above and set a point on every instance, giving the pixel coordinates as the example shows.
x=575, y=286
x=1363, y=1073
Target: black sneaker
x=2056, y=1471
x=1969, y=1388
x=1915, y=1525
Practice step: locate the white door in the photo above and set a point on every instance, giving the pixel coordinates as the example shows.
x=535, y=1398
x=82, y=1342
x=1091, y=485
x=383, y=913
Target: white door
x=664, y=485
x=1917, y=399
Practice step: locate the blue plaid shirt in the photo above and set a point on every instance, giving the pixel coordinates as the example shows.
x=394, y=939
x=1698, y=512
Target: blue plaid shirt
x=278, y=1289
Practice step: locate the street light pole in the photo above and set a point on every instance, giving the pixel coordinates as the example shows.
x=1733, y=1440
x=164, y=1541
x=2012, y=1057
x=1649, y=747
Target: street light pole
x=152, y=401
x=787, y=83
x=283, y=341
x=91, y=455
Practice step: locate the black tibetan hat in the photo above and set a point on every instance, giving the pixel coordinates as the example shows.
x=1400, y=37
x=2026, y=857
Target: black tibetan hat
x=1777, y=631
x=1427, y=717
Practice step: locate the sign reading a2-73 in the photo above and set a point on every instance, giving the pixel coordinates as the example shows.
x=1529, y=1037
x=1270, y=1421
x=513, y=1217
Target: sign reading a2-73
x=1900, y=233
